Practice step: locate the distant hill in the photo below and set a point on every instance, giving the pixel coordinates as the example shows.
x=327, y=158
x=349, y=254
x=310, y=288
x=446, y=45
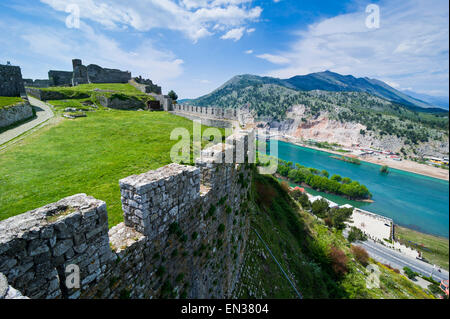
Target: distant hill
x=440, y=101
x=324, y=81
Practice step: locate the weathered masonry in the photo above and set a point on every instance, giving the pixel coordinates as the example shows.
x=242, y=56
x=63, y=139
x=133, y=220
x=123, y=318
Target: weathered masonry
x=214, y=116
x=183, y=235
x=11, y=83
x=82, y=74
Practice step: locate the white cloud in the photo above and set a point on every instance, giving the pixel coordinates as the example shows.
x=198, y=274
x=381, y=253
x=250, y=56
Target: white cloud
x=275, y=59
x=251, y=30
x=38, y=49
x=410, y=49
x=195, y=18
x=234, y=34
x=248, y=52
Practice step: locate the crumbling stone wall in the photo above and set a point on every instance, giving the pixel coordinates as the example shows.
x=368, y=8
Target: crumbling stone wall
x=60, y=78
x=36, y=83
x=120, y=104
x=145, y=85
x=183, y=235
x=214, y=116
x=11, y=82
x=15, y=113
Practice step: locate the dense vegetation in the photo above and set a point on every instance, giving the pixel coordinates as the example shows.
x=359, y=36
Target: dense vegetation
x=320, y=180
x=316, y=257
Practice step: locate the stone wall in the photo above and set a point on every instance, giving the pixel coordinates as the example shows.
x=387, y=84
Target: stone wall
x=120, y=104
x=214, y=114
x=97, y=74
x=45, y=95
x=60, y=78
x=183, y=235
x=165, y=101
x=36, y=83
x=145, y=85
x=15, y=113
x=11, y=83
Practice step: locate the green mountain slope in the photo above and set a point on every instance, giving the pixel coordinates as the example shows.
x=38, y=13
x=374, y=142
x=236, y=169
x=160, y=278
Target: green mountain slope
x=271, y=98
x=302, y=245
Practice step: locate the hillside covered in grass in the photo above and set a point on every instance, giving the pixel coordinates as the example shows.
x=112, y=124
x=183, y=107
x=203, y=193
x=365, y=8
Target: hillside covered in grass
x=87, y=155
x=320, y=262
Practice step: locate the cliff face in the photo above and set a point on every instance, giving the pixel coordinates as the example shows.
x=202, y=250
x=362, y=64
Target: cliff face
x=324, y=128
x=183, y=235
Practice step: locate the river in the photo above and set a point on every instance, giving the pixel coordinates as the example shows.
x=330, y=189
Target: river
x=411, y=200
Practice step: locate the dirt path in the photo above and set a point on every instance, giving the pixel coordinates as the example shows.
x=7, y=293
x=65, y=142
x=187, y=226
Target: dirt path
x=43, y=113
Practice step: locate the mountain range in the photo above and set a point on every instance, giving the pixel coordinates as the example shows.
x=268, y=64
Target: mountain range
x=331, y=82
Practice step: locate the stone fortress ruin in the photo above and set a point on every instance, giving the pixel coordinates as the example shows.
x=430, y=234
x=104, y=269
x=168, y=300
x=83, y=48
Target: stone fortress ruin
x=183, y=235
x=11, y=85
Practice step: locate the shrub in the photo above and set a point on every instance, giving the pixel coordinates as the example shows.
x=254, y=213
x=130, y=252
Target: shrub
x=356, y=234
x=221, y=228
x=411, y=274
x=339, y=261
x=361, y=255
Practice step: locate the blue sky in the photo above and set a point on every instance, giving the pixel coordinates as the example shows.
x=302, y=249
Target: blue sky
x=194, y=46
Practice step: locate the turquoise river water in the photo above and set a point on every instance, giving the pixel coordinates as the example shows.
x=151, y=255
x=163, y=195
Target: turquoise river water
x=411, y=200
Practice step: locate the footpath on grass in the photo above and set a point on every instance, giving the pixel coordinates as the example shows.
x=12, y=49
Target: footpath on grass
x=43, y=113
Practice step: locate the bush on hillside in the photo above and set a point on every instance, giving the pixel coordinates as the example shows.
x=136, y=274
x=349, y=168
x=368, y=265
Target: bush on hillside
x=338, y=260
x=361, y=255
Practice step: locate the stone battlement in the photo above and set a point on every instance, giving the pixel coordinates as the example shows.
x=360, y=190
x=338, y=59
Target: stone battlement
x=183, y=235
x=214, y=116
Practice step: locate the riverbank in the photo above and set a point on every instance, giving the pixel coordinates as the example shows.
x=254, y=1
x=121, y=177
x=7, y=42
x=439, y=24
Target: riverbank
x=404, y=165
x=434, y=249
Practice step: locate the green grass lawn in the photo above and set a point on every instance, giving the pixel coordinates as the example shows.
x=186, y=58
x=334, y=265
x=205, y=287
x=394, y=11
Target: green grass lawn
x=439, y=246
x=86, y=155
x=6, y=101
x=86, y=88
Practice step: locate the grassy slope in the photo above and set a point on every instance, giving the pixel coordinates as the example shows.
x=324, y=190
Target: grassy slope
x=301, y=244
x=6, y=101
x=439, y=246
x=87, y=155
x=86, y=88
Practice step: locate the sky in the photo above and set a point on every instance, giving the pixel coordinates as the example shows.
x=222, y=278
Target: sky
x=194, y=46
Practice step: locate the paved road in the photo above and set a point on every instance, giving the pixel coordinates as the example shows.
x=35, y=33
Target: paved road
x=43, y=113
x=398, y=260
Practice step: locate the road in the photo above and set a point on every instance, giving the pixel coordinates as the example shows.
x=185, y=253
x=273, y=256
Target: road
x=43, y=113
x=398, y=260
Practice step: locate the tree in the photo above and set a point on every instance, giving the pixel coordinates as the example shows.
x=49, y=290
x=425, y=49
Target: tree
x=356, y=234
x=173, y=95
x=320, y=208
x=384, y=169
x=336, y=178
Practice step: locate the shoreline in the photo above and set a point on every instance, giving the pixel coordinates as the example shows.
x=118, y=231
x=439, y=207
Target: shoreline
x=366, y=200
x=411, y=167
